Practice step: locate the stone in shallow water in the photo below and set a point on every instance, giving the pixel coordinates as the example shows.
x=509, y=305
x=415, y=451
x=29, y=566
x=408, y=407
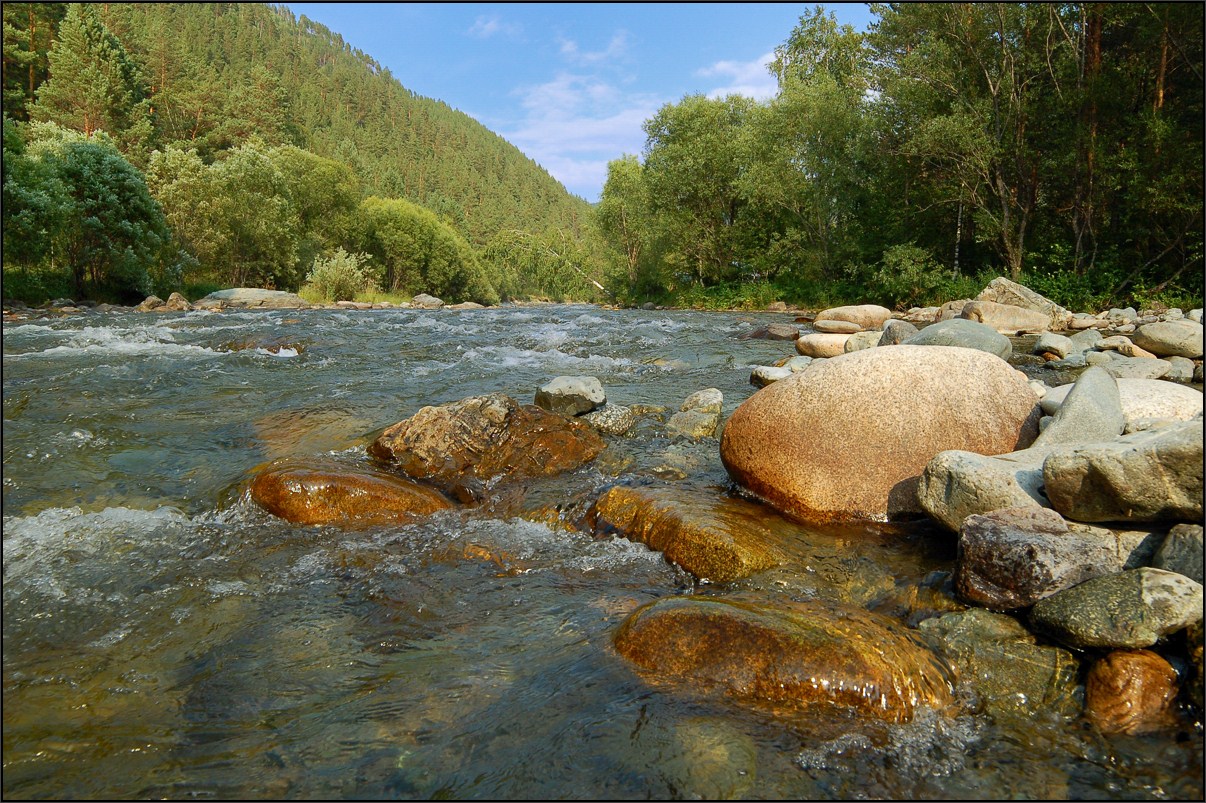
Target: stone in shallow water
x=1132, y=692
x=1131, y=609
x=864, y=316
x=614, y=419
x=802, y=655
x=342, y=495
x=712, y=538
x=965, y=334
x=571, y=395
x=468, y=446
x=999, y=659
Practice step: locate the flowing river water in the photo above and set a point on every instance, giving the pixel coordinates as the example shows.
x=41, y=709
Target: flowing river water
x=164, y=637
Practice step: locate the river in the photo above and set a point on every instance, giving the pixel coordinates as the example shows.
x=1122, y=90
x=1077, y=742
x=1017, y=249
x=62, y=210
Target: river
x=165, y=638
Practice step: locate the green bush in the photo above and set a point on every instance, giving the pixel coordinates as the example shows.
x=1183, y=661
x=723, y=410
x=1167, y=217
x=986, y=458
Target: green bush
x=341, y=276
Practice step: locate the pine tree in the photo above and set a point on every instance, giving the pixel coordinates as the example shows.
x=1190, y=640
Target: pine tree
x=93, y=84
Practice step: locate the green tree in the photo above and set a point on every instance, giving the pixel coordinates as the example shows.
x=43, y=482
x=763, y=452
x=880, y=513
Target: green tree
x=35, y=203
x=692, y=168
x=93, y=84
x=113, y=237
x=626, y=221
x=29, y=30
x=419, y=253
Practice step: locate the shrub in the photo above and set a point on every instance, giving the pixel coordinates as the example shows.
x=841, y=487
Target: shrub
x=341, y=276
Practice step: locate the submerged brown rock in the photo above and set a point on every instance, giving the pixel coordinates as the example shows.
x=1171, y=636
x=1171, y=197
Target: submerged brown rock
x=711, y=537
x=1131, y=691
x=330, y=495
x=467, y=446
x=805, y=655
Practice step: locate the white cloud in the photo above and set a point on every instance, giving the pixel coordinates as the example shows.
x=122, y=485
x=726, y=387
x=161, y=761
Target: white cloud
x=576, y=123
x=616, y=48
x=484, y=27
x=749, y=78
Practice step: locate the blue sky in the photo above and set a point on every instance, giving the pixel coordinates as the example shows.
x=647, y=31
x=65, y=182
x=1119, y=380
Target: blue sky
x=570, y=84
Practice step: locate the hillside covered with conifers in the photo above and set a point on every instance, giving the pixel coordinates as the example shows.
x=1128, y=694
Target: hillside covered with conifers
x=259, y=134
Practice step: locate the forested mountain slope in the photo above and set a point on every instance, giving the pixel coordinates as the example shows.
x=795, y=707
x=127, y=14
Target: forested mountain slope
x=214, y=74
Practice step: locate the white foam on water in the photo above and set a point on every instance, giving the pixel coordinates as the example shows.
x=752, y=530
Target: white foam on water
x=153, y=341
x=284, y=352
x=512, y=357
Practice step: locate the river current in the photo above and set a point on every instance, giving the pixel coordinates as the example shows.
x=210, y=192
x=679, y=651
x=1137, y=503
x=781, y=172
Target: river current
x=164, y=637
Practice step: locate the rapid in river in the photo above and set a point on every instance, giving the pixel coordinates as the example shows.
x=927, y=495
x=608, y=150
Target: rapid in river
x=164, y=637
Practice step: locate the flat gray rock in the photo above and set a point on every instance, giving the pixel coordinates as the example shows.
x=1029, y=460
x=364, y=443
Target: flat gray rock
x=896, y=331
x=964, y=333
x=1141, y=398
x=251, y=297
x=1128, y=610
x=1137, y=367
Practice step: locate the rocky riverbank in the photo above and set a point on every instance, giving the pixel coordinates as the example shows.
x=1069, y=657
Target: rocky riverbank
x=1062, y=452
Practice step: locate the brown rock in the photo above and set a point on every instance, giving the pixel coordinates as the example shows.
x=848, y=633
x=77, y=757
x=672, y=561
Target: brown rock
x=849, y=438
x=339, y=495
x=800, y=656
x=1131, y=691
x=712, y=538
x=820, y=344
x=468, y=446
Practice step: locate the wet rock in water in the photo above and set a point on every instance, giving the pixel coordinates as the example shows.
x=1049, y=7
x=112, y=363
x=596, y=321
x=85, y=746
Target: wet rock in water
x=1180, y=338
x=763, y=375
x=571, y=395
x=836, y=327
x=1131, y=692
x=862, y=340
x=702, y=758
x=799, y=656
x=1181, y=551
x=425, y=301
x=1014, y=557
x=999, y=659
x=613, y=419
x=693, y=424
x=1137, y=368
x=1131, y=609
x=698, y=416
x=896, y=332
x=342, y=495
x=1154, y=475
x=774, y=331
x=251, y=297
x=1004, y=291
x=878, y=415
x=1005, y=318
x=1141, y=398
x=465, y=305
x=865, y=316
x=1090, y=411
x=964, y=334
x=150, y=303
x=468, y=446
x=713, y=538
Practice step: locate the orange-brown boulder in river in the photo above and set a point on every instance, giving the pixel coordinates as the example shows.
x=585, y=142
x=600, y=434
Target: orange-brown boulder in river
x=849, y=438
x=467, y=446
x=341, y=495
x=800, y=656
